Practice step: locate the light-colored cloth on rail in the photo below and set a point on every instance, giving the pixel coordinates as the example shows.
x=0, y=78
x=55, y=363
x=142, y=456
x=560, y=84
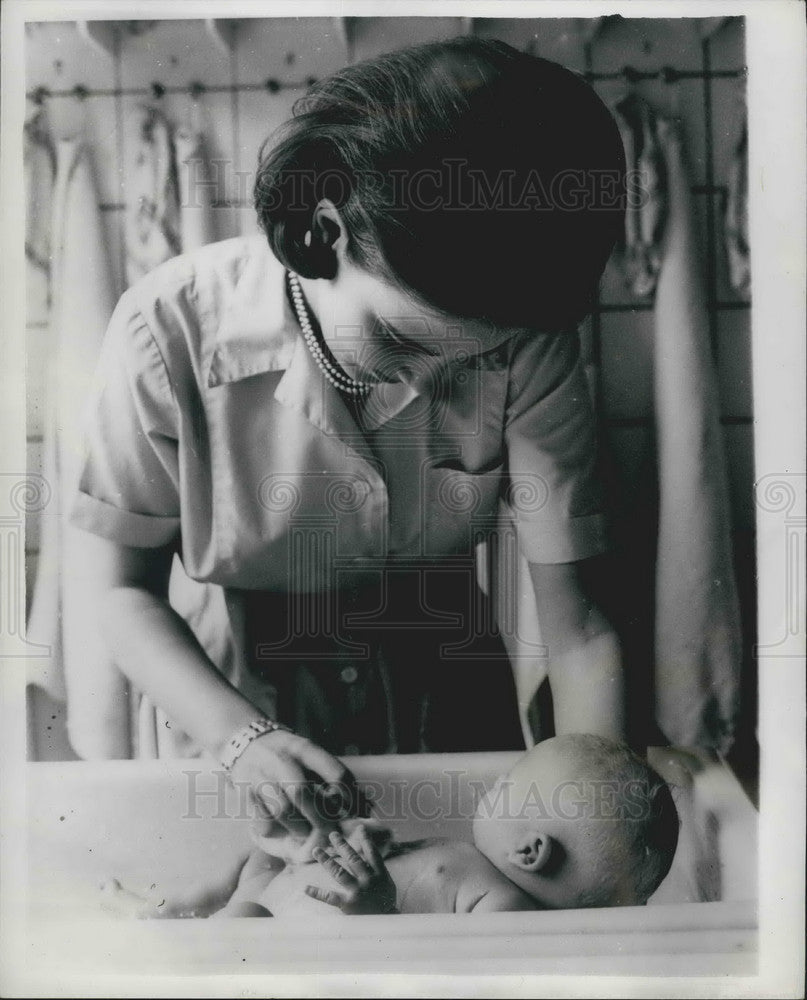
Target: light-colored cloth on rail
x=83, y=298
x=697, y=627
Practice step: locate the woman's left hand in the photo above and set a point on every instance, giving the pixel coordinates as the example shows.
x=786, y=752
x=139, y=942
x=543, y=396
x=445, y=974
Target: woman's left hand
x=364, y=884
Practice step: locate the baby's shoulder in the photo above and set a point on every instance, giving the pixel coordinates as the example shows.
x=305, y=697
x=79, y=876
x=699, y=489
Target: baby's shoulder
x=482, y=887
x=479, y=885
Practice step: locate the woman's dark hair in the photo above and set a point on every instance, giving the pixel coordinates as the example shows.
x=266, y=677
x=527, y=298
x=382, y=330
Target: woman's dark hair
x=486, y=182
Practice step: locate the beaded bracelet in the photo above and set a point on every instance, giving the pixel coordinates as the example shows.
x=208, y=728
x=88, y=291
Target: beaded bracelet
x=241, y=739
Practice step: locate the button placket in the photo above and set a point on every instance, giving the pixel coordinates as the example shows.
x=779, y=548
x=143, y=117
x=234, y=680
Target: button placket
x=349, y=674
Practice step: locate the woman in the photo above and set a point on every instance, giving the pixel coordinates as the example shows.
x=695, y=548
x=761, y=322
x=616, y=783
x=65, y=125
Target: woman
x=325, y=421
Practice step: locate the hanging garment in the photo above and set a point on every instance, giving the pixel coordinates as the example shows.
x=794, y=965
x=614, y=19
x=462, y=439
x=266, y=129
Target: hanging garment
x=83, y=301
x=196, y=187
x=153, y=218
x=736, y=217
x=697, y=627
x=39, y=166
x=646, y=204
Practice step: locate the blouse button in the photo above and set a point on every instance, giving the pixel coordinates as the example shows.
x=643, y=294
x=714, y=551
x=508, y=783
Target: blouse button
x=349, y=675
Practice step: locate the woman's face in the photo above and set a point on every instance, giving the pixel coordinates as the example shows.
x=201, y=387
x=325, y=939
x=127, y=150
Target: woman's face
x=379, y=333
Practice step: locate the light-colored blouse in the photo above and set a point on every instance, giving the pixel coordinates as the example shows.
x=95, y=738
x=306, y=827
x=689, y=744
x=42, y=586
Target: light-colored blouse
x=210, y=424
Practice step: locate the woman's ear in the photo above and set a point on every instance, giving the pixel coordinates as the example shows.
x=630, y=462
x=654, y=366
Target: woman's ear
x=329, y=236
x=531, y=852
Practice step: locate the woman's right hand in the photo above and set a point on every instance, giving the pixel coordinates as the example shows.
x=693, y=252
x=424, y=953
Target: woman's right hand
x=296, y=786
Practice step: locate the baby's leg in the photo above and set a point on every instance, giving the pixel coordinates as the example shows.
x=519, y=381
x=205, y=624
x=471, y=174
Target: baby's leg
x=201, y=899
x=256, y=874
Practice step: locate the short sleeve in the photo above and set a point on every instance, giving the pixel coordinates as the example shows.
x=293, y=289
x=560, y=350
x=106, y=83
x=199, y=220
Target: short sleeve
x=554, y=489
x=128, y=487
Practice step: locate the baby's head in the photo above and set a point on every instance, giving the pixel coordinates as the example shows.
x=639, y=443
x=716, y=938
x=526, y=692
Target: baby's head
x=580, y=821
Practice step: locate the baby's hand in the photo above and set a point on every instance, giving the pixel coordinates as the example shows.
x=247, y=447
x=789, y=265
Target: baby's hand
x=365, y=884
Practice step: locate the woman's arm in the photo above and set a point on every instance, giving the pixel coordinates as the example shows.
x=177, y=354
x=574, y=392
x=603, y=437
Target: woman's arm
x=121, y=594
x=124, y=603
x=585, y=659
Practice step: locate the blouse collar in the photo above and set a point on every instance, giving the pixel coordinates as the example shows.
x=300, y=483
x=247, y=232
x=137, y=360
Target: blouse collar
x=259, y=333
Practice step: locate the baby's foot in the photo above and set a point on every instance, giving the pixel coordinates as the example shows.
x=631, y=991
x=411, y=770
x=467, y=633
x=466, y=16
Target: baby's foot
x=197, y=899
x=123, y=902
x=117, y=899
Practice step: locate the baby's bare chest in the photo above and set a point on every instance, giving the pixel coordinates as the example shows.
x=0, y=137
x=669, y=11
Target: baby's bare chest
x=444, y=877
x=437, y=877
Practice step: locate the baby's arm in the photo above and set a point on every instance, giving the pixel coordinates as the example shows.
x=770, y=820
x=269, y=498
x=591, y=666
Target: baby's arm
x=360, y=878
x=498, y=900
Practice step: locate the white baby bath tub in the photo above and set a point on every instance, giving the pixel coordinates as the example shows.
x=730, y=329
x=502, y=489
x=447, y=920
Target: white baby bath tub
x=161, y=824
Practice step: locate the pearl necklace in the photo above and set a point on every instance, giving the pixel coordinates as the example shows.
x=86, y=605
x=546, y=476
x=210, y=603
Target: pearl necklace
x=335, y=375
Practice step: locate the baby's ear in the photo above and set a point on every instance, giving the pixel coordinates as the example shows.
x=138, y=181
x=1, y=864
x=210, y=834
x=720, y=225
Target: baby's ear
x=532, y=851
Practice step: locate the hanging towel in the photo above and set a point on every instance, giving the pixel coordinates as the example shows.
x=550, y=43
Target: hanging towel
x=736, y=217
x=153, y=218
x=83, y=300
x=646, y=205
x=39, y=165
x=697, y=627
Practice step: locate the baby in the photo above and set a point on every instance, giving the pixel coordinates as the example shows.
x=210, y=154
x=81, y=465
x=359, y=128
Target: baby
x=580, y=821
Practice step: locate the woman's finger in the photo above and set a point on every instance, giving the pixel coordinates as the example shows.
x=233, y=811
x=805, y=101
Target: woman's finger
x=325, y=896
x=279, y=796
x=355, y=863
x=345, y=800
x=331, y=770
x=286, y=816
x=339, y=783
x=301, y=793
x=368, y=848
x=269, y=805
x=262, y=823
x=272, y=837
